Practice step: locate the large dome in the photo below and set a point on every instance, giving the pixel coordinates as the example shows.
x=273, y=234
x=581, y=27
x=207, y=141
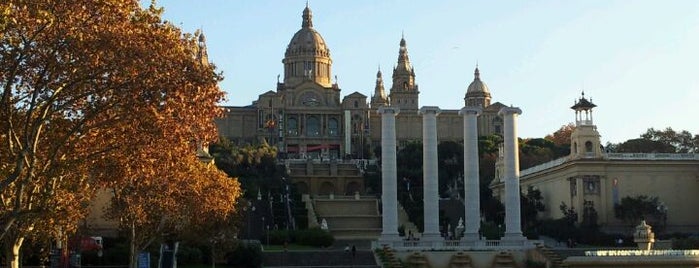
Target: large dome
x=307, y=41
x=477, y=87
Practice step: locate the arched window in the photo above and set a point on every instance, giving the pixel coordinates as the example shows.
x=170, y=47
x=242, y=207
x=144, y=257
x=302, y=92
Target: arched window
x=333, y=127
x=292, y=126
x=356, y=104
x=588, y=147
x=575, y=147
x=312, y=126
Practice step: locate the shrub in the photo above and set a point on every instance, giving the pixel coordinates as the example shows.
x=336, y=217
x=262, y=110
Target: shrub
x=314, y=237
x=277, y=237
x=491, y=231
x=245, y=255
x=189, y=255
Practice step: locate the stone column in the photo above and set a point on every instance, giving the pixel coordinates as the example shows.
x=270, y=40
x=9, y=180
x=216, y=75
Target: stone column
x=430, y=173
x=513, y=216
x=389, y=198
x=471, y=186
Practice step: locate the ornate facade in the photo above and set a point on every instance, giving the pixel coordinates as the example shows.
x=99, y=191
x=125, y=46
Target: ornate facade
x=306, y=117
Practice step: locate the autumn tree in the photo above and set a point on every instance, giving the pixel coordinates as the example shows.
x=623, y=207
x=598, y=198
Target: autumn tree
x=561, y=137
x=100, y=94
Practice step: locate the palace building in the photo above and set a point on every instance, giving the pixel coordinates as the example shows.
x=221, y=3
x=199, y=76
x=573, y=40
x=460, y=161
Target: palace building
x=590, y=178
x=306, y=116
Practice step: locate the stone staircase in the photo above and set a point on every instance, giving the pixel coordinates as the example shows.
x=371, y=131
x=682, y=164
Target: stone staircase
x=350, y=218
x=408, y=226
x=554, y=260
x=388, y=258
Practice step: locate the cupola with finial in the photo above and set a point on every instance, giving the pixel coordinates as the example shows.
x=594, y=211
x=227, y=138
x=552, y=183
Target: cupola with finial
x=379, y=99
x=585, y=140
x=477, y=93
x=307, y=56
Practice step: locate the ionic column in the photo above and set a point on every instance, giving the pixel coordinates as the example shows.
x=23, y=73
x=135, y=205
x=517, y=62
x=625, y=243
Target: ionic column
x=472, y=221
x=389, y=198
x=430, y=172
x=513, y=230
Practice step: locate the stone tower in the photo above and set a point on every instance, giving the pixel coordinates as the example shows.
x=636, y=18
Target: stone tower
x=379, y=99
x=404, y=91
x=585, y=140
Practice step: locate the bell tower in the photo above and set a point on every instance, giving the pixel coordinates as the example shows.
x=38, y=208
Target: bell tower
x=404, y=91
x=585, y=140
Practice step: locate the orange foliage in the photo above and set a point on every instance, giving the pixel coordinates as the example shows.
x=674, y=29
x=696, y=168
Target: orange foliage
x=102, y=94
x=562, y=135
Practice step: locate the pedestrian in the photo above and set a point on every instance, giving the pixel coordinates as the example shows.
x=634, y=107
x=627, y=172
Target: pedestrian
x=354, y=251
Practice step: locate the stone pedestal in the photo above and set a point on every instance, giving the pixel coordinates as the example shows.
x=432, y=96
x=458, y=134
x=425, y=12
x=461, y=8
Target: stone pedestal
x=513, y=229
x=643, y=236
x=471, y=186
x=430, y=173
x=389, y=198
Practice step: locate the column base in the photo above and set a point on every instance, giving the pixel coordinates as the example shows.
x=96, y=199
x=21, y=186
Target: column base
x=431, y=237
x=471, y=237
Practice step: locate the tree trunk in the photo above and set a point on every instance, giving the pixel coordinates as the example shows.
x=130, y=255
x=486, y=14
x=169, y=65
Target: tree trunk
x=133, y=254
x=12, y=252
x=213, y=255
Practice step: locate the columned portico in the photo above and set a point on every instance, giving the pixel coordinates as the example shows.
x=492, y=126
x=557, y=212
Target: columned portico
x=471, y=187
x=430, y=172
x=513, y=229
x=389, y=198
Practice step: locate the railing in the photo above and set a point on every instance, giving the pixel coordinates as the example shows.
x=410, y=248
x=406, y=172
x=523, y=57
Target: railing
x=629, y=253
x=543, y=166
x=651, y=156
x=458, y=244
x=615, y=156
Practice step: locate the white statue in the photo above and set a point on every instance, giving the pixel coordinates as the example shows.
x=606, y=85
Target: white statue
x=324, y=225
x=461, y=223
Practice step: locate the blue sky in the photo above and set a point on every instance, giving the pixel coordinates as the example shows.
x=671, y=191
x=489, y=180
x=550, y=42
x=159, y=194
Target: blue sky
x=637, y=60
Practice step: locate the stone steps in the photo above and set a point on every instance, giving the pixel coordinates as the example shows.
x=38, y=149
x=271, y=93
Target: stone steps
x=350, y=218
x=354, y=233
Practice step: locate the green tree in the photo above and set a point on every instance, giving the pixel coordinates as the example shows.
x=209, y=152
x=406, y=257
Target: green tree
x=531, y=204
x=682, y=142
x=644, y=146
x=631, y=210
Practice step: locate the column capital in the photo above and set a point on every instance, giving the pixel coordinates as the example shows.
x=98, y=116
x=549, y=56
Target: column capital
x=509, y=110
x=475, y=110
x=429, y=109
x=388, y=110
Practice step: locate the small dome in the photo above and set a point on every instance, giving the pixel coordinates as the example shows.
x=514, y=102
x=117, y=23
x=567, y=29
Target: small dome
x=477, y=87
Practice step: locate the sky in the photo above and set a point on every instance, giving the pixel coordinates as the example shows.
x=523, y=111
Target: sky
x=637, y=60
